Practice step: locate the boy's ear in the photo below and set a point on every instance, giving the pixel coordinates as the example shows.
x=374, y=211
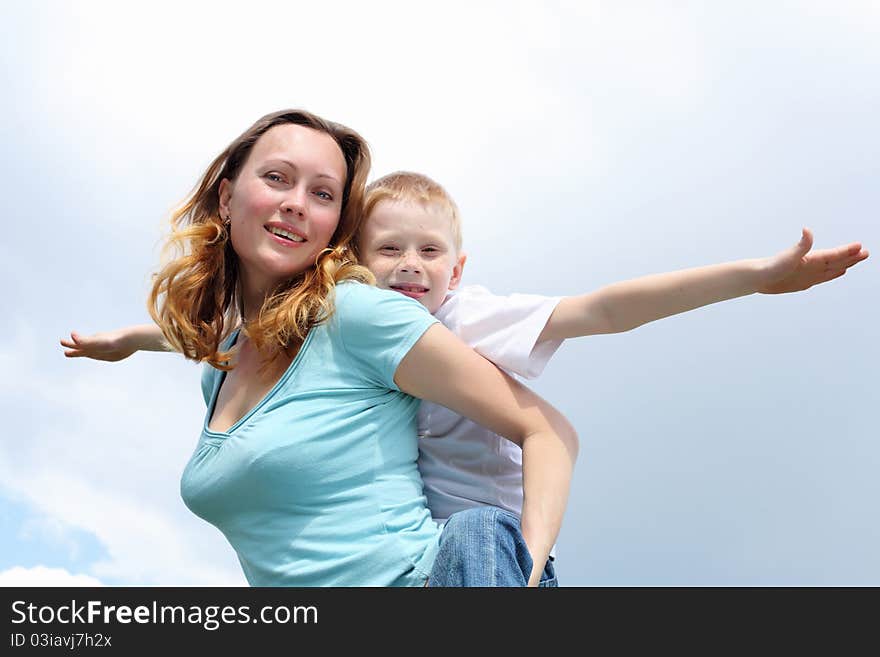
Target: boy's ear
x=457, y=271
x=225, y=192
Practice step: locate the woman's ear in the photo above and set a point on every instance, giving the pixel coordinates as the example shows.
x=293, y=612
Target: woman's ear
x=225, y=193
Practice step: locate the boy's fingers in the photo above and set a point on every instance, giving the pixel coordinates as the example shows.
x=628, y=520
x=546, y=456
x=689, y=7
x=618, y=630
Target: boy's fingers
x=845, y=262
x=806, y=235
x=838, y=252
x=852, y=253
x=805, y=243
x=849, y=262
x=834, y=258
x=832, y=274
x=850, y=249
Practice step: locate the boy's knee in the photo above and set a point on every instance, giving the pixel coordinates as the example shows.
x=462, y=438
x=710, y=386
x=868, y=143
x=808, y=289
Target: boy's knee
x=482, y=546
x=489, y=531
x=469, y=521
x=481, y=524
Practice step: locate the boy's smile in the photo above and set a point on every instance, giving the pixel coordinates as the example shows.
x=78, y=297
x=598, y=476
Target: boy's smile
x=410, y=248
x=411, y=290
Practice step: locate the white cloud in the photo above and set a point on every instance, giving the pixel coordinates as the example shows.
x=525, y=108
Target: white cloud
x=105, y=457
x=51, y=531
x=44, y=576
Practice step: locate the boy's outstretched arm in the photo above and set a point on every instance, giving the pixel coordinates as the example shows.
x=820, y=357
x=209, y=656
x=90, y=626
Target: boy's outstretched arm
x=115, y=345
x=624, y=306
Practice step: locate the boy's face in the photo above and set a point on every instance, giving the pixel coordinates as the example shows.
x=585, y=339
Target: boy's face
x=410, y=248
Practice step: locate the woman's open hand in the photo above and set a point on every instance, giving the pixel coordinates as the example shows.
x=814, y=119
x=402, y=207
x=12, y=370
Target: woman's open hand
x=109, y=346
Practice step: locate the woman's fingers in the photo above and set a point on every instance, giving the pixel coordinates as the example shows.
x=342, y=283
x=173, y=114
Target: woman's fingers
x=74, y=341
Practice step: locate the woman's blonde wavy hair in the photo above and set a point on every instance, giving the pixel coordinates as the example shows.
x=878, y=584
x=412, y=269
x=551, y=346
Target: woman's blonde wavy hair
x=195, y=296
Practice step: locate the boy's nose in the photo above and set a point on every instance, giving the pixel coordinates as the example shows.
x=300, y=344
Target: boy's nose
x=410, y=264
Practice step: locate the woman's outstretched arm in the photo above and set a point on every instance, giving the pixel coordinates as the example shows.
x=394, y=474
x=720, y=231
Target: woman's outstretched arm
x=117, y=344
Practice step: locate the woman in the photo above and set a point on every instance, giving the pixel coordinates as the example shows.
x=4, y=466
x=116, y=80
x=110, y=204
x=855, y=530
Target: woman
x=307, y=457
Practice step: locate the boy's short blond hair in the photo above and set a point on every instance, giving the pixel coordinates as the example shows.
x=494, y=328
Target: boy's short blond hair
x=412, y=187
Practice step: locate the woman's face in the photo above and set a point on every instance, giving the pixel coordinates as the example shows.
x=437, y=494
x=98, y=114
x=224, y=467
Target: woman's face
x=284, y=205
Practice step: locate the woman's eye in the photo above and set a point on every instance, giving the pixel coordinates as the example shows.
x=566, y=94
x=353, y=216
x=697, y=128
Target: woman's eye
x=388, y=249
x=324, y=195
x=274, y=177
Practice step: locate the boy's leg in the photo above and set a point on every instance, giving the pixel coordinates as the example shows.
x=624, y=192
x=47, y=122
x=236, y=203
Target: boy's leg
x=484, y=547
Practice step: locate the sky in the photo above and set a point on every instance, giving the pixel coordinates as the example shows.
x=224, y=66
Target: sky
x=585, y=143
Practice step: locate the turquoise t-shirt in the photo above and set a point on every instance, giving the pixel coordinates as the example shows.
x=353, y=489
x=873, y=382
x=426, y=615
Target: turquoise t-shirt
x=317, y=485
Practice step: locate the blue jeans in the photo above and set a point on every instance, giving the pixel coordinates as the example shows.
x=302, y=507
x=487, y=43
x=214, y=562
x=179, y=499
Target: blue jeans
x=484, y=546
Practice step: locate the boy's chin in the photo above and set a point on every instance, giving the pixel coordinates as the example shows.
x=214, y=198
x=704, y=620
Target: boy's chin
x=432, y=303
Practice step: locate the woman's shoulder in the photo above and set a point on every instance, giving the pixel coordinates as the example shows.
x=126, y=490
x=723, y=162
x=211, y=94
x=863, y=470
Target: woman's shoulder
x=363, y=307
x=376, y=328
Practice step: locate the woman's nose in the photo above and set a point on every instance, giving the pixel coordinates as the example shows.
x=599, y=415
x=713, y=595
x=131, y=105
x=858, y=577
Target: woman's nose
x=294, y=202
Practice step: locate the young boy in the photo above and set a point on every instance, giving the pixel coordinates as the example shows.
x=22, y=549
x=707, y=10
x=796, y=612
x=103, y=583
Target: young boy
x=411, y=241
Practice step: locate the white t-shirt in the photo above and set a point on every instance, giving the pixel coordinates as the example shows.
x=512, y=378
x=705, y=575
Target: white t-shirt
x=463, y=464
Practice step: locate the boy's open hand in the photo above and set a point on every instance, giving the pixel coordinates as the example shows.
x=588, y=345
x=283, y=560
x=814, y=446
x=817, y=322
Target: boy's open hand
x=797, y=268
x=110, y=346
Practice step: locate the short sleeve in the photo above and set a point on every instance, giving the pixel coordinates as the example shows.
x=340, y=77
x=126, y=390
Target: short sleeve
x=378, y=328
x=503, y=329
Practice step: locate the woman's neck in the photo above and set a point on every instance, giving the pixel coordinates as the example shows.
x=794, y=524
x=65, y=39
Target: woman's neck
x=250, y=298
